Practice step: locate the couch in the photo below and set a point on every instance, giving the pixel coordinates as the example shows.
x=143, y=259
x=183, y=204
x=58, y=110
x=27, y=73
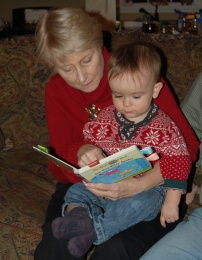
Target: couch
x=25, y=182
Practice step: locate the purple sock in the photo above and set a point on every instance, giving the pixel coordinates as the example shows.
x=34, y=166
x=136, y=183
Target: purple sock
x=80, y=245
x=76, y=223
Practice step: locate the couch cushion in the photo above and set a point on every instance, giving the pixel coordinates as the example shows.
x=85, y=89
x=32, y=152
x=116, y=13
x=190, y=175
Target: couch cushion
x=22, y=84
x=181, y=54
x=2, y=140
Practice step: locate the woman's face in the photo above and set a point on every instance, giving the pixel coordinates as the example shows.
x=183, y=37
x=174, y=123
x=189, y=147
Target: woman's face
x=82, y=70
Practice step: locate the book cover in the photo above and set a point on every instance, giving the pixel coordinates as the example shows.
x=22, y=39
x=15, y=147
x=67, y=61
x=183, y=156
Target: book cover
x=123, y=164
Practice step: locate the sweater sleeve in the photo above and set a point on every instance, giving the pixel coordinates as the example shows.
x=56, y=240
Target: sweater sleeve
x=175, y=161
x=171, y=108
x=60, y=136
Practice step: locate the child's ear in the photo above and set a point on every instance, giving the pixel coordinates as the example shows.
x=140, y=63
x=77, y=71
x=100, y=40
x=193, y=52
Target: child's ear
x=157, y=88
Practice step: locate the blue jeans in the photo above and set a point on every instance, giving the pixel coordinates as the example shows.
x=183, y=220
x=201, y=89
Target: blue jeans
x=184, y=242
x=111, y=217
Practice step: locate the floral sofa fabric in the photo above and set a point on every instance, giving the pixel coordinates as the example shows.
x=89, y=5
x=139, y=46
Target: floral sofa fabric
x=22, y=85
x=25, y=182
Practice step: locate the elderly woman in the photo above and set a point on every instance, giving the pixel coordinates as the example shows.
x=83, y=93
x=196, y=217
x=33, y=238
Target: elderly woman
x=71, y=41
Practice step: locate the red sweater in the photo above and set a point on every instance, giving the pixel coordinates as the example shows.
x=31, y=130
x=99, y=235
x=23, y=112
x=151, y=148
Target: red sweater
x=66, y=117
x=160, y=133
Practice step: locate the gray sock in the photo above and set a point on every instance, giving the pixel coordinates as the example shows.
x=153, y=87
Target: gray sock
x=80, y=245
x=76, y=223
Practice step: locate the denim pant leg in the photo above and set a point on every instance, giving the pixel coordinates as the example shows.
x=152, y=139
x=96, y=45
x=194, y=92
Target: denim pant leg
x=184, y=242
x=111, y=217
x=78, y=195
x=124, y=213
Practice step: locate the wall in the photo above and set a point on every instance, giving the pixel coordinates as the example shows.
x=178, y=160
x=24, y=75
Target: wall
x=6, y=6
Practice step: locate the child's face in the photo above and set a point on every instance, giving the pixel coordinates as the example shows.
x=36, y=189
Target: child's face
x=132, y=94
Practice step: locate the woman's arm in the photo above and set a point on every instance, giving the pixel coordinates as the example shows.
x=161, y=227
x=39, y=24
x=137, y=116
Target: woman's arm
x=65, y=132
x=128, y=187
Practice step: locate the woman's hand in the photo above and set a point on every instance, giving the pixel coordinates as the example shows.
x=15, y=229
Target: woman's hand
x=89, y=153
x=128, y=187
x=123, y=189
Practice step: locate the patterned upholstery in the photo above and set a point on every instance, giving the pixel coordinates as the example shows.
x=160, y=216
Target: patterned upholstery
x=25, y=183
x=181, y=54
x=22, y=85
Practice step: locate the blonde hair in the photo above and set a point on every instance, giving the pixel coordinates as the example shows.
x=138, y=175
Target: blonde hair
x=64, y=31
x=132, y=56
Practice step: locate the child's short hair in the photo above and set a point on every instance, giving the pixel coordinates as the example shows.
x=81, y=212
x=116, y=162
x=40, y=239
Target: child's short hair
x=130, y=57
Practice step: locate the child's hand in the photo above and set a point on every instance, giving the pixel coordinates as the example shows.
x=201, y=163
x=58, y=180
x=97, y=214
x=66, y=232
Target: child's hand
x=169, y=214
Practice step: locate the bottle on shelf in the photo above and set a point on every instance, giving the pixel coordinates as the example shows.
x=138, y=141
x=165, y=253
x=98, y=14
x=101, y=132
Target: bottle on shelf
x=181, y=24
x=194, y=26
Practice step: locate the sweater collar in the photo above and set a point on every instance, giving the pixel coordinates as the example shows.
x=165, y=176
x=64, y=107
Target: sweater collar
x=127, y=128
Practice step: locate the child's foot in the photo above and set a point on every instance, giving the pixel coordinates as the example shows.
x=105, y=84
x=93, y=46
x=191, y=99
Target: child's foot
x=76, y=223
x=80, y=245
x=190, y=195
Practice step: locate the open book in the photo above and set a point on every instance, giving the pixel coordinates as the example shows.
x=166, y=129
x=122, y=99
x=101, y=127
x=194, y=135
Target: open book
x=123, y=164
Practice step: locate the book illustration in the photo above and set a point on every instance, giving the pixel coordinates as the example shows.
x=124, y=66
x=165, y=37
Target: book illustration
x=129, y=163
x=123, y=164
x=122, y=171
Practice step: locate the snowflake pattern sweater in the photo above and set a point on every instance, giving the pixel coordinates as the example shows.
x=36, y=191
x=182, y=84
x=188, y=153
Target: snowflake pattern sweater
x=160, y=132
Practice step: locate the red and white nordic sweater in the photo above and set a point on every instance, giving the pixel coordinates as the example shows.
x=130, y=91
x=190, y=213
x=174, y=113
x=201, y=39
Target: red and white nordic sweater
x=161, y=133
